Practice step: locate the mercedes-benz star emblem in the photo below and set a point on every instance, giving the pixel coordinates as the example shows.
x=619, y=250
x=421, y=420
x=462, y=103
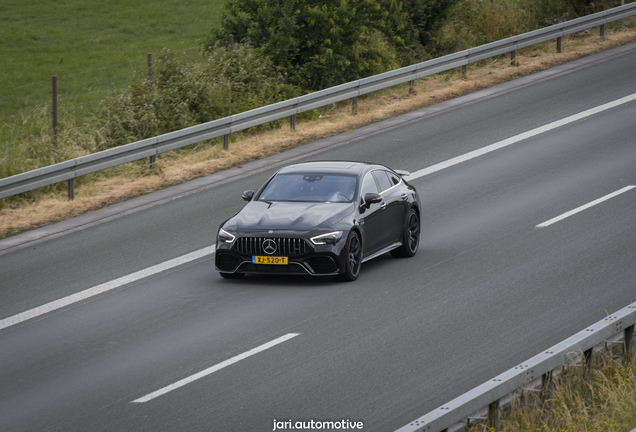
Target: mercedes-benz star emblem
x=269, y=246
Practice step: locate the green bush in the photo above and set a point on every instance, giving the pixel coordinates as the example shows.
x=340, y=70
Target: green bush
x=318, y=44
x=186, y=93
x=424, y=18
x=543, y=13
x=472, y=23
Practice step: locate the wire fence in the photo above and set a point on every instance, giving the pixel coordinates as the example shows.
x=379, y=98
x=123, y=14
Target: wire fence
x=85, y=89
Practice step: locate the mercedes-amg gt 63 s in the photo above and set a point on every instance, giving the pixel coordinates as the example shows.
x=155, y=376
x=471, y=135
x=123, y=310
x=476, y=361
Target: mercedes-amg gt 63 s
x=321, y=219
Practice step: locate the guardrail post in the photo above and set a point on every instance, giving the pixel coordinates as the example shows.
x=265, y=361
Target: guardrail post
x=412, y=87
x=354, y=104
x=464, y=71
x=493, y=415
x=71, y=189
x=292, y=121
x=588, y=362
x=628, y=345
x=513, y=56
x=54, y=109
x=623, y=20
x=226, y=141
x=545, y=394
x=153, y=161
x=588, y=371
x=602, y=30
x=559, y=44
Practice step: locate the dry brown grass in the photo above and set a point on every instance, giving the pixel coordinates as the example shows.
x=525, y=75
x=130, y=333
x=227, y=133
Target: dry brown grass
x=606, y=402
x=178, y=167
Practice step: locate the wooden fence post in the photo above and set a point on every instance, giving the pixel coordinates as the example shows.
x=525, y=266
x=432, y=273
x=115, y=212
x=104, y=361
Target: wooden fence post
x=55, y=109
x=149, y=71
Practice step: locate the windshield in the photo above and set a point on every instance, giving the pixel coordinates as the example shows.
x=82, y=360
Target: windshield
x=314, y=187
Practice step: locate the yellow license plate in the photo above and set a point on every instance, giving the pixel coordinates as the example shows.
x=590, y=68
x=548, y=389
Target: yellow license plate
x=269, y=260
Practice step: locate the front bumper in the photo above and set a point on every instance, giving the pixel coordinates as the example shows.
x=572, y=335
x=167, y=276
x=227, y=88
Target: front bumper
x=314, y=260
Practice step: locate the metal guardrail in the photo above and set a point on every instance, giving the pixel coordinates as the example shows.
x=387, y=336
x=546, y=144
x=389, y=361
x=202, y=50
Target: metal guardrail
x=151, y=147
x=484, y=402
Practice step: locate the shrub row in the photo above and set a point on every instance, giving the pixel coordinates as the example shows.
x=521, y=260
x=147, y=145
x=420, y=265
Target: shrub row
x=284, y=49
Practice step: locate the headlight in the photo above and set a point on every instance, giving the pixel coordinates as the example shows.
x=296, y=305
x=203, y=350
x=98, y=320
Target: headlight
x=331, y=238
x=226, y=237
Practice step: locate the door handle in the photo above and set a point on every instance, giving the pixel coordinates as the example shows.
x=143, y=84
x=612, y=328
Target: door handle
x=405, y=196
x=383, y=206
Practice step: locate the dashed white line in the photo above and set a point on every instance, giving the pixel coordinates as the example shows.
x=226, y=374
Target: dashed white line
x=584, y=207
x=108, y=286
x=515, y=139
x=214, y=368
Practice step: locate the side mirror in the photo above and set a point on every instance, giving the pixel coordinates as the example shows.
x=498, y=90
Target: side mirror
x=372, y=198
x=402, y=173
x=248, y=195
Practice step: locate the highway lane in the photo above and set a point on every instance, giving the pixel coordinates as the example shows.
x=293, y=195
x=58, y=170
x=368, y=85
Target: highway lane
x=410, y=335
x=47, y=270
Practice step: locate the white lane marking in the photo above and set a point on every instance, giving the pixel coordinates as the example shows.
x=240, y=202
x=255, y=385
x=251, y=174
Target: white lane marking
x=584, y=207
x=7, y=322
x=215, y=368
x=99, y=289
x=515, y=139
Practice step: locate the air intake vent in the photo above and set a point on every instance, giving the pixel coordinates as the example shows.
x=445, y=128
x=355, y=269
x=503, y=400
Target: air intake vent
x=226, y=261
x=323, y=265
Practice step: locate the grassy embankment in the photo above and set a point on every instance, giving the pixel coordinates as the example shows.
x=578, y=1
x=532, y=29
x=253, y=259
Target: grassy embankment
x=93, y=47
x=602, y=402
x=125, y=29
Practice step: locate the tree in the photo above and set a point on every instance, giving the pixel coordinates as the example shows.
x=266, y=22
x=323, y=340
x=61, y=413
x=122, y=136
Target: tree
x=318, y=44
x=423, y=19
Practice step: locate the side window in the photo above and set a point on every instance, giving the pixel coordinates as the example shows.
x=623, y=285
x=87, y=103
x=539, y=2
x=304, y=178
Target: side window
x=394, y=178
x=383, y=179
x=368, y=186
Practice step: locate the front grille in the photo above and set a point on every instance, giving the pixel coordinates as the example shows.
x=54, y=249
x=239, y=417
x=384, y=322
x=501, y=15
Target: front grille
x=284, y=246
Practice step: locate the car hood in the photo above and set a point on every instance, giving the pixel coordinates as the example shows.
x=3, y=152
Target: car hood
x=289, y=216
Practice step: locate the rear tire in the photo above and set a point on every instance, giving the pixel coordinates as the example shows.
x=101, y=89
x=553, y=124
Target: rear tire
x=411, y=237
x=353, y=259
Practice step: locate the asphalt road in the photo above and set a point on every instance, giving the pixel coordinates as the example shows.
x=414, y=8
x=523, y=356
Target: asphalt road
x=487, y=290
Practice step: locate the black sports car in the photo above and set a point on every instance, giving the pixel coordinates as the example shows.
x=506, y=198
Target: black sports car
x=321, y=219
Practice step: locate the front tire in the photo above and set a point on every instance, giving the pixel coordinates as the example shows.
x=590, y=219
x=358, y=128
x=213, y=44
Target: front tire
x=411, y=237
x=353, y=258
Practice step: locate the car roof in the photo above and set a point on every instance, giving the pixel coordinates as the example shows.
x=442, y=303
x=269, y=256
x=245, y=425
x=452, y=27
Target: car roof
x=340, y=167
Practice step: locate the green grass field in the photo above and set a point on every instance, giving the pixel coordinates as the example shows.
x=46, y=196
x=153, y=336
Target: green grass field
x=93, y=47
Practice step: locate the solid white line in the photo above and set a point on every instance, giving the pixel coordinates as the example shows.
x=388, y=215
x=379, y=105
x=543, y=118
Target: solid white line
x=215, y=368
x=584, y=207
x=108, y=286
x=515, y=139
